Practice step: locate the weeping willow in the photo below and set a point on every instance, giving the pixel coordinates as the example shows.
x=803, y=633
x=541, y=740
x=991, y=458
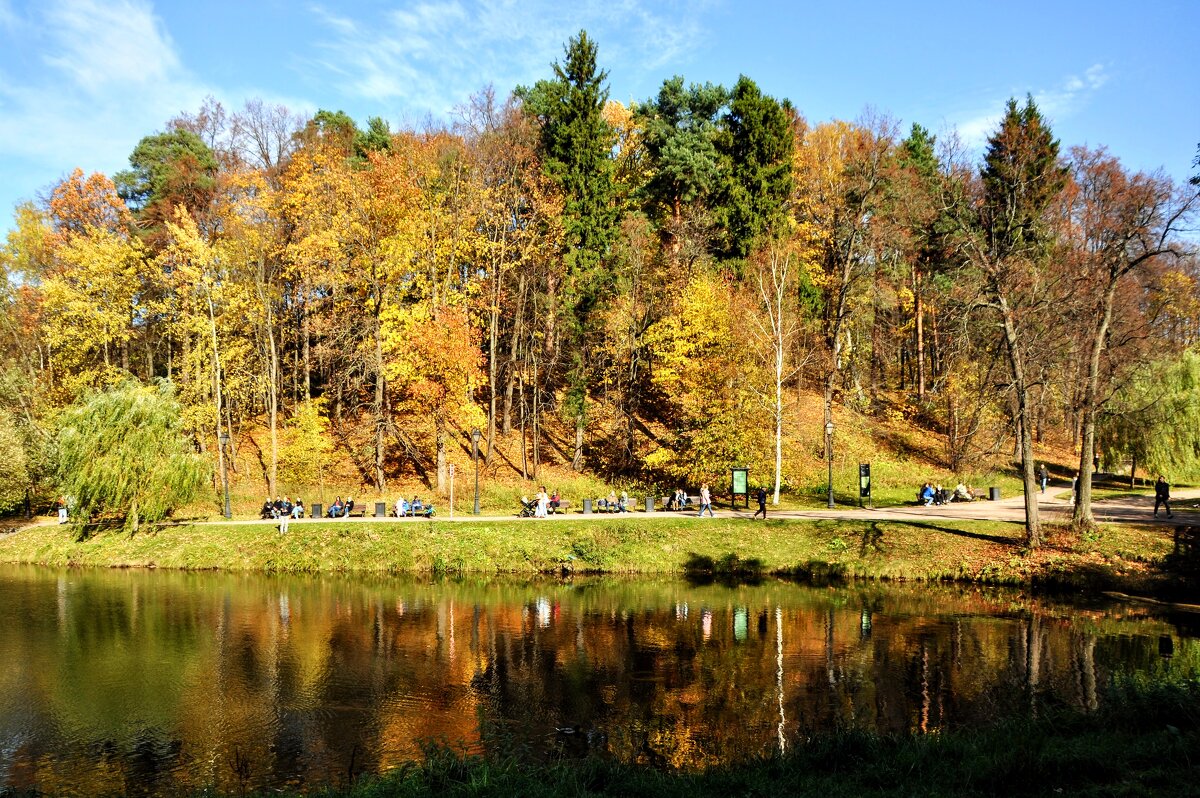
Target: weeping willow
x=123, y=455
x=1154, y=420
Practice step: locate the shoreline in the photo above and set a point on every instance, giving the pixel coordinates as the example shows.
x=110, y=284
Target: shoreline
x=1132, y=559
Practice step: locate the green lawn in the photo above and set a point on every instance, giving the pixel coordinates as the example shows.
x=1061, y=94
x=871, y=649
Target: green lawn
x=1121, y=557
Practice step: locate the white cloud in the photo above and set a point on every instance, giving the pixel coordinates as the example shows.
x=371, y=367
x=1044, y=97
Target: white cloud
x=434, y=55
x=120, y=44
x=111, y=76
x=1072, y=94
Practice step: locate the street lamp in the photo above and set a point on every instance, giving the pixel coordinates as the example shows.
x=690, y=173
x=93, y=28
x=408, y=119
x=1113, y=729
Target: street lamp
x=225, y=469
x=475, y=457
x=829, y=458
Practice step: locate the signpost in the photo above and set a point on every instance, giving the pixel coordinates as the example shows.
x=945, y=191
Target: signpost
x=740, y=479
x=452, y=491
x=864, y=484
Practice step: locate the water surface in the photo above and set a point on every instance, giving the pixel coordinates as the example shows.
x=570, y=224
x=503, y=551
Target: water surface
x=151, y=683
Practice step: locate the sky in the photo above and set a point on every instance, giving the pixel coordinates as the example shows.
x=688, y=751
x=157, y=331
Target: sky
x=82, y=81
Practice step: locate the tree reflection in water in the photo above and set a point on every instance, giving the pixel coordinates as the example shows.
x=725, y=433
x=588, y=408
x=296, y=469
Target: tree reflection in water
x=147, y=682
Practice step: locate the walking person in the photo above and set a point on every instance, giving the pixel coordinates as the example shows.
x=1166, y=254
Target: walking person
x=283, y=523
x=1043, y=476
x=1162, y=495
x=762, y=503
x=62, y=509
x=705, y=502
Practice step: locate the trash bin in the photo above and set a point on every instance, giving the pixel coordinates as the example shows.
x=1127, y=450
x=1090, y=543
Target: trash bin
x=587, y=506
x=316, y=510
x=380, y=510
x=649, y=504
x=994, y=494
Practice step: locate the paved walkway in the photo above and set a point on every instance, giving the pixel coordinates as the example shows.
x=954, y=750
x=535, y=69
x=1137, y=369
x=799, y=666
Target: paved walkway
x=1131, y=509
x=1136, y=509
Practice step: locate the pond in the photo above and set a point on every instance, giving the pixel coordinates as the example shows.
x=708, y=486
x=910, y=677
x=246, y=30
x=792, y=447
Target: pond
x=146, y=683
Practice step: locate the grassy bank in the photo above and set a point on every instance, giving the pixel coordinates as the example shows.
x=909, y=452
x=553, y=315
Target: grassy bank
x=1117, y=557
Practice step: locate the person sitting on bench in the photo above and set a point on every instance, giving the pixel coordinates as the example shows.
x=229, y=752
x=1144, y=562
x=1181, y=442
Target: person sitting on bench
x=401, y=507
x=348, y=508
x=298, y=509
x=927, y=495
x=268, y=510
x=962, y=493
x=418, y=507
x=336, y=509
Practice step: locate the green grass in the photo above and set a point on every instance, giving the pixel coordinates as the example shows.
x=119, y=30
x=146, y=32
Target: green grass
x=1116, y=557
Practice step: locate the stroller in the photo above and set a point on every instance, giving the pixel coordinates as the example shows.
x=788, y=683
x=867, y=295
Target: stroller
x=528, y=508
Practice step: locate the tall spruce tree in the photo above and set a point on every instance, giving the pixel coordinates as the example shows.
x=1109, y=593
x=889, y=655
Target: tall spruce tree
x=1021, y=176
x=576, y=145
x=756, y=142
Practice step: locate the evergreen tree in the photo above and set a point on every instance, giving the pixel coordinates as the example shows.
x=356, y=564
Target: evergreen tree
x=680, y=128
x=122, y=453
x=576, y=146
x=1021, y=177
x=757, y=143
x=168, y=169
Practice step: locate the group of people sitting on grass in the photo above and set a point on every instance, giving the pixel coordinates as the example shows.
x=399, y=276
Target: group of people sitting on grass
x=935, y=494
x=282, y=508
x=413, y=509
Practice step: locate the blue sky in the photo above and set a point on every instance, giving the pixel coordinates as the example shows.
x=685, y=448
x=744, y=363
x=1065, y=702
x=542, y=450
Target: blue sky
x=81, y=81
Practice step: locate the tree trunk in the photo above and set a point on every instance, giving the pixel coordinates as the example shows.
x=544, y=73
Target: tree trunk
x=1083, y=505
x=380, y=421
x=442, y=475
x=1016, y=360
x=919, y=319
x=273, y=408
x=577, y=455
x=307, y=344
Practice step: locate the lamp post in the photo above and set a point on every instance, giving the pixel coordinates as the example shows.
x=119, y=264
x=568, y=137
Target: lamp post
x=475, y=457
x=225, y=469
x=829, y=458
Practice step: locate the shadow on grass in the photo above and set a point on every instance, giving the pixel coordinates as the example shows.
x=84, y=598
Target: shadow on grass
x=728, y=569
x=964, y=533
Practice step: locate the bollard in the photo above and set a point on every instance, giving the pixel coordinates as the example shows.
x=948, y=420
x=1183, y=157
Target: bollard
x=649, y=504
x=316, y=510
x=993, y=494
x=587, y=506
x=380, y=510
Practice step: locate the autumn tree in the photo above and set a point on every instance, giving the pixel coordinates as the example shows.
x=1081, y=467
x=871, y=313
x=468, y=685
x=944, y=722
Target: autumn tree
x=1121, y=227
x=840, y=180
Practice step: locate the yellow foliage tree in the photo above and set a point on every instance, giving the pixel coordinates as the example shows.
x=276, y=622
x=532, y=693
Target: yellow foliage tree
x=702, y=367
